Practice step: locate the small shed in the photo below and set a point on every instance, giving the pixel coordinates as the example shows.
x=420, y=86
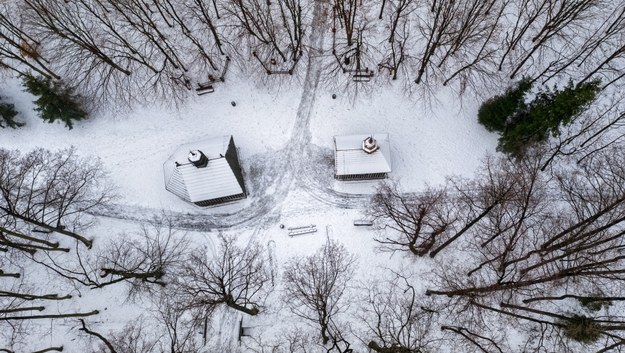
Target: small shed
x=205, y=172
x=362, y=157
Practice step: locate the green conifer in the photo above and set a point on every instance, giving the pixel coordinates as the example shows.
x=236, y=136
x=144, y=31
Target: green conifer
x=56, y=101
x=7, y=115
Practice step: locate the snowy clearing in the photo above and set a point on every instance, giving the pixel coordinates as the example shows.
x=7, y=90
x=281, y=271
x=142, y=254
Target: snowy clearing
x=461, y=249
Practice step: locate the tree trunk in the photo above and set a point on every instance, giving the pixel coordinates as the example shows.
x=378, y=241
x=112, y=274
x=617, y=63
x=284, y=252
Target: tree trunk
x=232, y=303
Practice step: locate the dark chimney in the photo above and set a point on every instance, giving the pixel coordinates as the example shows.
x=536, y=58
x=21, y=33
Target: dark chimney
x=198, y=158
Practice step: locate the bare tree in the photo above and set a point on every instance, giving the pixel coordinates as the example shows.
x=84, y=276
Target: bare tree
x=180, y=323
x=399, y=20
x=154, y=258
x=144, y=260
x=558, y=232
x=597, y=129
x=296, y=340
x=274, y=31
x=471, y=58
x=135, y=337
x=351, y=44
x=233, y=276
x=18, y=48
x=452, y=29
x=396, y=321
x=559, y=17
x=52, y=191
x=314, y=286
x=97, y=69
x=431, y=221
x=44, y=200
x=130, y=51
x=568, y=331
x=412, y=224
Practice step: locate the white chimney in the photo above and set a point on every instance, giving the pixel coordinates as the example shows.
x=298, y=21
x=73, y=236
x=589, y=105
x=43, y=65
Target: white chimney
x=370, y=145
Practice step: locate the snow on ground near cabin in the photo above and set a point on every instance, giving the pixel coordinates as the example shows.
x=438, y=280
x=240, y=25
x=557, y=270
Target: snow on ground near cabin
x=300, y=208
x=133, y=146
x=429, y=140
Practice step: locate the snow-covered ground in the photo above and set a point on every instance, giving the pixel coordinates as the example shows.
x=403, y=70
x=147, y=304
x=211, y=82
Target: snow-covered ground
x=429, y=140
x=285, y=141
x=284, y=130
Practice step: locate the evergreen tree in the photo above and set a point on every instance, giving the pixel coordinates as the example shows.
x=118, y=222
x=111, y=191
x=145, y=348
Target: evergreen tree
x=495, y=112
x=56, y=101
x=545, y=114
x=7, y=115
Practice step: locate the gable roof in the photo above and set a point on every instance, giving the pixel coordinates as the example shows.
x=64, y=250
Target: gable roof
x=350, y=159
x=194, y=184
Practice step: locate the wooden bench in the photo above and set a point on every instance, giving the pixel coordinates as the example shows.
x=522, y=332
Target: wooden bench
x=302, y=230
x=204, y=88
x=362, y=77
x=363, y=223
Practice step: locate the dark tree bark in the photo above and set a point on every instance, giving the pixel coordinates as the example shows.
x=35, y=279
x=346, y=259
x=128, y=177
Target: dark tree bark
x=315, y=285
x=18, y=48
x=235, y=277
x=97, y=335
x=396, y=320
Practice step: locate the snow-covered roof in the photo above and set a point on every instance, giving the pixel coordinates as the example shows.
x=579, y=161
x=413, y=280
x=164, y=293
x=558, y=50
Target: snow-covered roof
x=350, y=158
x=194, y=184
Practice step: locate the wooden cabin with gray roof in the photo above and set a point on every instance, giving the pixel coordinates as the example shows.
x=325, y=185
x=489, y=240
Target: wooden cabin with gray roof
x=362, y=157
x=206, y=172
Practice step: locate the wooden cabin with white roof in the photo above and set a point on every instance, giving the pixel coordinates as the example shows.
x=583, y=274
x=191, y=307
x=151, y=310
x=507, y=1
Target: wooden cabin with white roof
x=206, y=172
x=362, y=157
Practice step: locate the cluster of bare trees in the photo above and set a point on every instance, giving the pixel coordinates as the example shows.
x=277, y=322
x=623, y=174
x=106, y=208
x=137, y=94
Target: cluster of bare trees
x=187, y=290
x=470, y=42
x=315, y=289
x=45, y=257
x=45, y=197
x=274, y=31
x=122, y=50
x=45, y=203
x=526, y=240
x=146, y=50
x=136, y=50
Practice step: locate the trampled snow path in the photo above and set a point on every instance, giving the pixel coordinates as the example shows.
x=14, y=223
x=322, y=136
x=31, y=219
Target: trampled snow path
x=286, y=169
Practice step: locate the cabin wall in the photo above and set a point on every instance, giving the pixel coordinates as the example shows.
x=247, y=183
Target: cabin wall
x=371, y=176
x=233, y=160
x=220, y=200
